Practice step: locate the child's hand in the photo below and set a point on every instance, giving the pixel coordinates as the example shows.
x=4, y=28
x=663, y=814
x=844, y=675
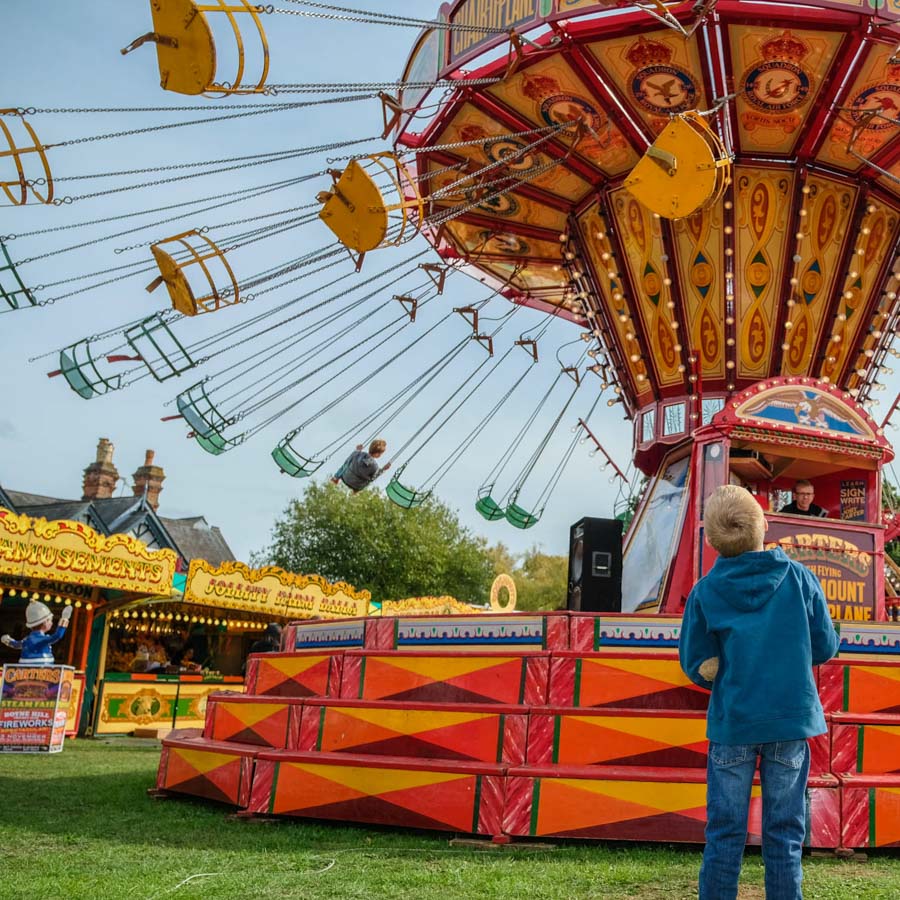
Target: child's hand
x=7, y=640
x=709, y=668
x=65, y=615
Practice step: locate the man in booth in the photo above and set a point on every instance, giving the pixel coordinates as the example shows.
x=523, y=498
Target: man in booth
x=802, y=504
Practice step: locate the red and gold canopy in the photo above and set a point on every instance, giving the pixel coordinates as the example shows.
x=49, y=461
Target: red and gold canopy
x=790, y=273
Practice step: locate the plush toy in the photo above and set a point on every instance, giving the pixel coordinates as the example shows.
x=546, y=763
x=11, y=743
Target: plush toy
x=709, y=668
x=36, y=647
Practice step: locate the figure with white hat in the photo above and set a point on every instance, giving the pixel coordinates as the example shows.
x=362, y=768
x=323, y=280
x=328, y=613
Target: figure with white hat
x=36, y=647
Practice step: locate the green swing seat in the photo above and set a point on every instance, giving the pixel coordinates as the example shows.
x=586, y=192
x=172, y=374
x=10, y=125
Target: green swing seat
x=205, y=420
x=12, y=288
x=405, y=497
x=487, y=506
x=79, y=368
x=521, y=518
x=293, y=463
x=166, y=357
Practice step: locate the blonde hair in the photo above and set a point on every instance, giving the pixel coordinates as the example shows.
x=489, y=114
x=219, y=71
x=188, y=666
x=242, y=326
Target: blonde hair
x=378, y=446
x=734, y=522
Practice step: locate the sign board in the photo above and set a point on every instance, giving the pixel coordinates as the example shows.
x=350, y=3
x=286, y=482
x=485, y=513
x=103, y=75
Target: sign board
x=853, y=500
x=72, y=552
x=272, y=591
x=34, y=702
x=843, y=559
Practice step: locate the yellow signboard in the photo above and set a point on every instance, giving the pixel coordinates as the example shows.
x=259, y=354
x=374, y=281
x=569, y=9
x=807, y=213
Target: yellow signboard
x=74, y=553
x=272, y=591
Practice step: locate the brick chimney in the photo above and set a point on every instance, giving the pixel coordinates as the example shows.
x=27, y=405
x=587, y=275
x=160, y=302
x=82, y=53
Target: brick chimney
x=101, y=476
x=148, y=480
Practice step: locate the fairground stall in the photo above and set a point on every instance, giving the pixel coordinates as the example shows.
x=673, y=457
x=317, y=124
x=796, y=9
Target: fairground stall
x=168, y=654
x=64, y=563
x=710, y=194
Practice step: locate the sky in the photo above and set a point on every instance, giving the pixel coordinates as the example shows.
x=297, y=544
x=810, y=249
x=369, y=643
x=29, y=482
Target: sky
x=48, y=434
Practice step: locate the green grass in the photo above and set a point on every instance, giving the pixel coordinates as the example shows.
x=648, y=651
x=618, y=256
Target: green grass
x=80, y=825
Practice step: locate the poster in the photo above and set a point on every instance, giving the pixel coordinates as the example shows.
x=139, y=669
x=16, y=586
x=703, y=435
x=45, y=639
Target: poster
x=34, y=701
x=853, y=500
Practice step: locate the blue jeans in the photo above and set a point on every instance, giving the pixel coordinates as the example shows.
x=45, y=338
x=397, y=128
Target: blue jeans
x=783, y=770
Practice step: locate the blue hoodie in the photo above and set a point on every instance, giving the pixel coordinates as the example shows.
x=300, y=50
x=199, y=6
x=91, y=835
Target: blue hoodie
x=765, y=617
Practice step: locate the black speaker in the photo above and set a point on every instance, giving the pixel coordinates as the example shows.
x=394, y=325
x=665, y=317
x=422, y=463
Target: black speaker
x=595, y=566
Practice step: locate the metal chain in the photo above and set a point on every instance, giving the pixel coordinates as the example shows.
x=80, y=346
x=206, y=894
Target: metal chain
x=269, y=156
x=313, y=88
x=33, y=111
x=238, y=194
x=175, y=178
x=266, y=108
x=375, y=18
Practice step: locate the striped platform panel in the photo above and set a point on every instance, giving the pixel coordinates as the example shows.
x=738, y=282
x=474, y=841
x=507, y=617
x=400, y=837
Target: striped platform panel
x=641, y=804
x=865, y=744
x=433, y=794
x=307, y=674
x=489, y=733
x=871, y=811
x=623, y=680
x=445, y=677
x=259, y=720
x=213, y=770
x=860, y=686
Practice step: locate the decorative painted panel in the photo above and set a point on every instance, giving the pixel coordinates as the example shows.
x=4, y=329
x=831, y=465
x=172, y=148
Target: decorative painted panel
x=641, y=238
x=548, y=93
x=828, y=206
x=595, y=239
x=701, y=252
x=213, y=771
x=657, y=73
x=778, y=74
x=762, y=206
x=290, y=674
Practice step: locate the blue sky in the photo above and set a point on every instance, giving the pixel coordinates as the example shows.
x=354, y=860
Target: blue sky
x=48, y=434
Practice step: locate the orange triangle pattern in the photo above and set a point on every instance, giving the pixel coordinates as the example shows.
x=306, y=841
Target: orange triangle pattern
x=569, y=805
x=583, y=741
x=185, y=765
x=887, y=816
x=496, y=680
x=267, y=720
x=471, y=734
x=300, y=786
x=604, y=682
x=873, y=688
x=881, y=749
x=309, y=671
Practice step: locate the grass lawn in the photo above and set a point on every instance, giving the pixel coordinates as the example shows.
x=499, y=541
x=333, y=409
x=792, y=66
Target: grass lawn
x=80, y=825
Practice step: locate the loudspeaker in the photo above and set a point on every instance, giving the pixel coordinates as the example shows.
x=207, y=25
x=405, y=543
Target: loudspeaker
x=595, y=566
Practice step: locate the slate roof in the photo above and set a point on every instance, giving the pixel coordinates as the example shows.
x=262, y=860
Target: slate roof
x=191, y=538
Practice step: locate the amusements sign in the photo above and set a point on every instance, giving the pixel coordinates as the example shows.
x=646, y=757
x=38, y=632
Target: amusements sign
x=34, y=701
x=272, y=591
x=74, y=552
x=853, y=500
x=842, y=559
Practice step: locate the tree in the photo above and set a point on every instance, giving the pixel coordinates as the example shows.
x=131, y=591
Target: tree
x=373, y=544
x=890, y=500
x=541, y=581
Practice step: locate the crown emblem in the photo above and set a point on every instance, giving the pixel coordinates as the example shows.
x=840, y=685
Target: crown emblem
x=645, y=53
x=786, y=47
x=537, y=87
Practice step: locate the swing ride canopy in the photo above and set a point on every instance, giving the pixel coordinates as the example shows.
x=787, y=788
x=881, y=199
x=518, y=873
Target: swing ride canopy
x=790, y=272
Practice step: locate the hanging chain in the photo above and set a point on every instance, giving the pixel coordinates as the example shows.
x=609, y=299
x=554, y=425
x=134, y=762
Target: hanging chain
x=373, y=18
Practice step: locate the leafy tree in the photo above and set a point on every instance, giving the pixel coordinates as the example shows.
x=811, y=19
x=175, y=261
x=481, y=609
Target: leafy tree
x=541, y=581
x=371, y=543
x=502, y=559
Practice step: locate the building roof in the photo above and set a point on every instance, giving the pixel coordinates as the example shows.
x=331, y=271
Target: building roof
x=191, y=538
x=197, y=539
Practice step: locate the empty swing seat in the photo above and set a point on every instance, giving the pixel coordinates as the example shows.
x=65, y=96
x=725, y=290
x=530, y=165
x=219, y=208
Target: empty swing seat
x=79, y=368
x=488, y=507
x=521, y=518
x=408, y=498
x=292, y=463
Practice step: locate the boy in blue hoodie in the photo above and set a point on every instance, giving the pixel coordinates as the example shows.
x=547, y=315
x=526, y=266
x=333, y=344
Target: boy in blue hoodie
x=753, y=628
